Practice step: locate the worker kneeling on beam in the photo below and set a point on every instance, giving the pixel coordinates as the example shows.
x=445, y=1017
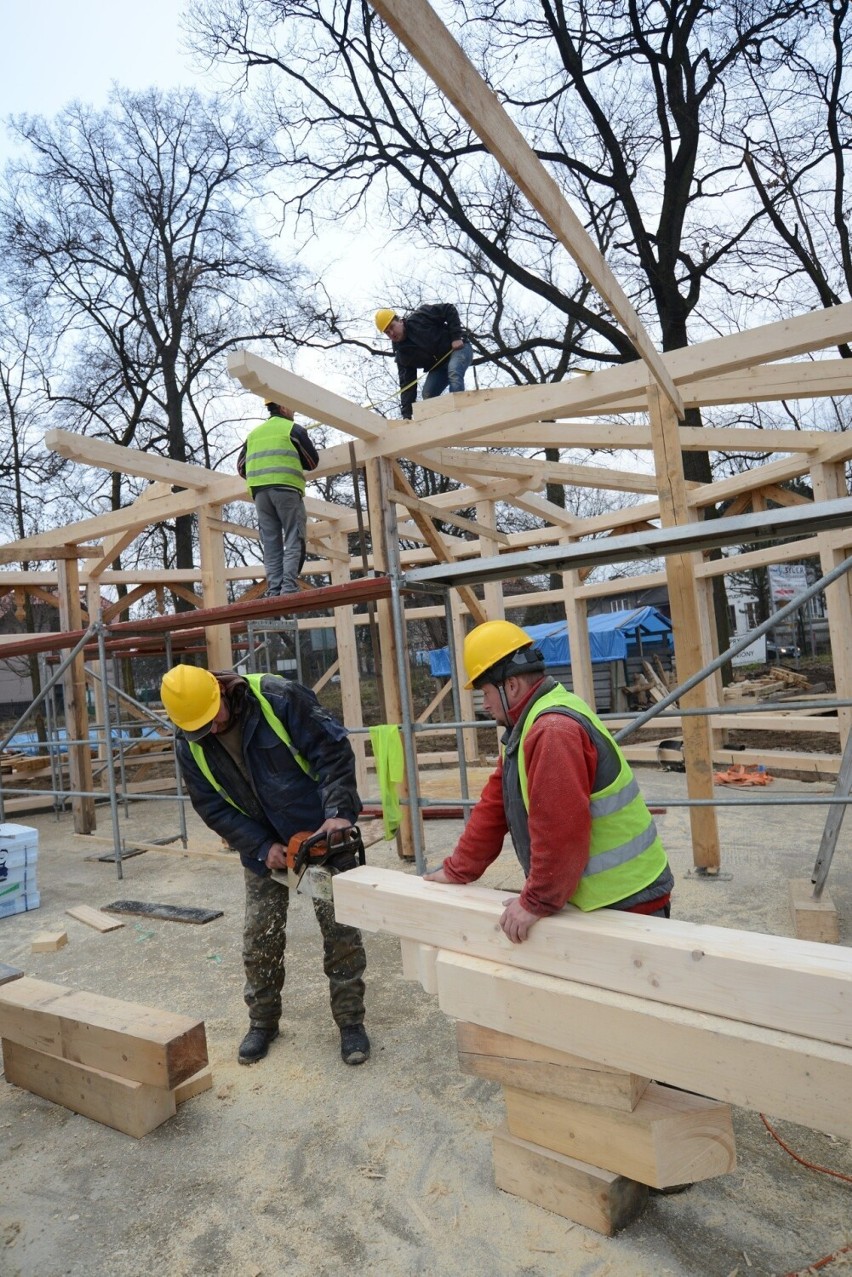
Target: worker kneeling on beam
x=262, y=761
x=563, y=790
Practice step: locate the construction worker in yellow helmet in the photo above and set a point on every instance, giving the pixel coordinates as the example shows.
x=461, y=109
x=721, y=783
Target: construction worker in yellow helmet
x=430, y=337
x=564, y=791
x=263, y=762
x=273, y=461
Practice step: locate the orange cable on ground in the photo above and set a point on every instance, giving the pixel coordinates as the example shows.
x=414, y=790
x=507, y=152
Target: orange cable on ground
x=823, y=1170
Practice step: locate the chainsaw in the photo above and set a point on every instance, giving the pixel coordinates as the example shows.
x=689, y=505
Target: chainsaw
x=314, y=859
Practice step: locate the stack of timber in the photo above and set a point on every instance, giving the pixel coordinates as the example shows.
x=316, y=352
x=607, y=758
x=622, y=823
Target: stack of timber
x=575, y=1022
x=120, y=1063
x=777, y=682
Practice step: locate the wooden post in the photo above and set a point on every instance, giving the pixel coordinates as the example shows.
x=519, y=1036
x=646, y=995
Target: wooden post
x=829, y=482
x=347, y=656
x=576, y=614
x=688, y=624
x=211, y=541
x=76, y=711
x=488, y=546
x=378, y=486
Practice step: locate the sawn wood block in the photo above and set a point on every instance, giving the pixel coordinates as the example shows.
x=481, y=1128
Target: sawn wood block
x=131, y=1107
x=48, y=941
x=813, y=919
x=590, y=1196
x=503, y=1058
x=671, y=1137
x=132, y=1041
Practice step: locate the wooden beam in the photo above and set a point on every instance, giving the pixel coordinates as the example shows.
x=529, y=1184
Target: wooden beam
x=268, y=379
x=438, y=543
x=509, y=1060
x=778, y=983
x=133, y=1108
x=127, y=1039
x=429, y=510
x=585, y=1194
x=670, y=1137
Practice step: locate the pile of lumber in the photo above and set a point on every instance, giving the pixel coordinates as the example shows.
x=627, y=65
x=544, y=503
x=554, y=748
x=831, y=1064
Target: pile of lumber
x=120, y=1063
x=575, y=1022
x=777, y=682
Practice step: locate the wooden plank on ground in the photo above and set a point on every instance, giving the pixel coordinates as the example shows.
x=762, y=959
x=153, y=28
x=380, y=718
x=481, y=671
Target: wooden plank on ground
x=503, y=1058
x=590, y=1196
x=166, y=913
x=127, y=1039
x=773, y=981
x=671, y=1137
x=759, y=1069
x=131, y=1107
x=813, y=919
x=93, y=918
x=8, y=973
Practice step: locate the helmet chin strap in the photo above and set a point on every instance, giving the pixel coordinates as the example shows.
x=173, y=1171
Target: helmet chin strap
x=501, y=692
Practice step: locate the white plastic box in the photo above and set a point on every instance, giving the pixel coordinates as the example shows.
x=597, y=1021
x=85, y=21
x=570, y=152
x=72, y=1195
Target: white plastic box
x=18, y=861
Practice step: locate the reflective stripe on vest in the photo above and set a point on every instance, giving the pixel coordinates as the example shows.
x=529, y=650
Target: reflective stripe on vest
x=271, y=457
x=625, y=853
x=195, y=747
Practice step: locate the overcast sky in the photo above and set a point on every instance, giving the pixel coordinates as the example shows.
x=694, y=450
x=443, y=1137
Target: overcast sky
x=81, y=47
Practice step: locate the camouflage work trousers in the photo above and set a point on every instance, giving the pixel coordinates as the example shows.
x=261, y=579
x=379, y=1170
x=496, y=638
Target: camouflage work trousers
x=264, y=943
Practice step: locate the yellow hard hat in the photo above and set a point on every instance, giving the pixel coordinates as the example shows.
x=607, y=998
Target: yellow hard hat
x=490, y=643
x=383, y=318
x=191, y=697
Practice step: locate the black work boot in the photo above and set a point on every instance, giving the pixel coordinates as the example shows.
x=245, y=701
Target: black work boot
x=255, y=1044
x=354, y=1044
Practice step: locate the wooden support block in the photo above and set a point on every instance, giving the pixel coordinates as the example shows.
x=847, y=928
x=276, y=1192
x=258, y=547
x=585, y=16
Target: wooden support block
x=813, y=919
x=8, y=973
x=94, y=918
x=590, y=1196
x=48, y=941
x=797, y=1078
x=671, y=1137
x=773, y=981
x=418, y=964
x=200, y=1081
x=127, y=1039
x=131, y=1107
x=503, y=1058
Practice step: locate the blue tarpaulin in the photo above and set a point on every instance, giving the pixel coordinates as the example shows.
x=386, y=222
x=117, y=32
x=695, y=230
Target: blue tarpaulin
x=612, y=635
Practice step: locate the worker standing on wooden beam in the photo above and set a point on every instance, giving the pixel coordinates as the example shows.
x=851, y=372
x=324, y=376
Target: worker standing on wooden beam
x=430, y=337
x=563, y=790
x=273, y=461
x=263, y=761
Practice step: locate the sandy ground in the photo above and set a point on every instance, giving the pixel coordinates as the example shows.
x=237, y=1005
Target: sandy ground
x=300, y=1165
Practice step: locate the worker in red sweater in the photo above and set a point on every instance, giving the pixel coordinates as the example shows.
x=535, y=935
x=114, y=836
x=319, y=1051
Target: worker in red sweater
x=564, y=791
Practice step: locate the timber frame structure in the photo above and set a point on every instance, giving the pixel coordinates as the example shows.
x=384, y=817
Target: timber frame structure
x=462, y=436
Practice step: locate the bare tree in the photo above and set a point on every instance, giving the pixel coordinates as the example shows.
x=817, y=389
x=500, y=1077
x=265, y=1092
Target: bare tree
x=136, y=227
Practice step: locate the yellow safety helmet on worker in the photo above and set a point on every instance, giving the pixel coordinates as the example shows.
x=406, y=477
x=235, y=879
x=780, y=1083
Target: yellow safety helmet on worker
x=496, y=649
x=191, y=697
x=384, y=318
